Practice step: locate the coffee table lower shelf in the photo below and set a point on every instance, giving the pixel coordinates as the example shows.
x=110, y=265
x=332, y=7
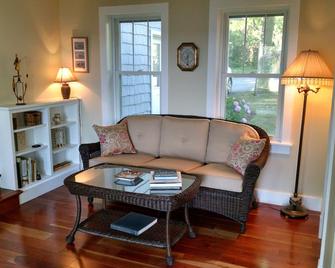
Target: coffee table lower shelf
x=99, y=224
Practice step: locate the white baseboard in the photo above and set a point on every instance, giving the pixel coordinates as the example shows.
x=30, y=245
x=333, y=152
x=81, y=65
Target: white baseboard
x=282, y=199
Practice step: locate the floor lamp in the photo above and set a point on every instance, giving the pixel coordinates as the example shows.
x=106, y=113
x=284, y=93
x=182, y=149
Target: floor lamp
x=308, y=72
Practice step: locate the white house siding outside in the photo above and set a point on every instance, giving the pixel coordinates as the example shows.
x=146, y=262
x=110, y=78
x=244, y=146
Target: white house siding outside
x=140, y=66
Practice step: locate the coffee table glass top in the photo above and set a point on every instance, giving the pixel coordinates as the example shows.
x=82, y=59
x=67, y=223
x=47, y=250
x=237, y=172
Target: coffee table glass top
x=104, y=177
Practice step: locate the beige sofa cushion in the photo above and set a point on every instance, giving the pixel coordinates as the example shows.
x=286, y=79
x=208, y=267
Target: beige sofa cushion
x=219, y=176
x=173, y=163
x=184, y=138
x=145, y=132
x=222, y=135
x=122, y=159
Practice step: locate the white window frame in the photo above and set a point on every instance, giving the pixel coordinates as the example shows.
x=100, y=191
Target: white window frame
x=218, y=10
x=109, y=87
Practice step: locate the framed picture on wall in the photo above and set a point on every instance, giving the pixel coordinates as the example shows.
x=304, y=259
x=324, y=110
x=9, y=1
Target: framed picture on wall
x=80, y=54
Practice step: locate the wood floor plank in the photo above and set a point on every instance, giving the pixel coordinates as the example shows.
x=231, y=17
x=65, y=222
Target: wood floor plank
x=34, y=236
x=24, y=231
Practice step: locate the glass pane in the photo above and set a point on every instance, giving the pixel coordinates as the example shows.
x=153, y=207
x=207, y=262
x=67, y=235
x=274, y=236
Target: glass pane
x=156, y=44
x=140, y=94
x=236, y=45
x=126, y=46
x=271, y=58
x=141, y=46
x=254, y=44
x=253, y=100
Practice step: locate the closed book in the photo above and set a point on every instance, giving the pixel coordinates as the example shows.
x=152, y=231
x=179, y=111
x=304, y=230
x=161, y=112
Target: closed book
x=30, y=170
x=166, y=186
x=128, y=174
x=165, y=191
x=134, y=223
x=127, y=182
x=18, y=172
x=156, y=181
x=165, y=174
x=24, y=170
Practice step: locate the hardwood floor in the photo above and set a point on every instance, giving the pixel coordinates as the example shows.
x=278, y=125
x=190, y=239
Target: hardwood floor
x=34, y=236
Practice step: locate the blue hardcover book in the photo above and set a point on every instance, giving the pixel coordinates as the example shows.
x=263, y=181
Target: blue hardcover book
x=134, y=223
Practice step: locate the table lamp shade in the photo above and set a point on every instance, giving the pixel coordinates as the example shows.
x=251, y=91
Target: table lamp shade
x=64, y=75
x=308, y=68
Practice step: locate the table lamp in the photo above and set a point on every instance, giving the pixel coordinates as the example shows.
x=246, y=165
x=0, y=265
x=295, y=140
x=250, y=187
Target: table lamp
x=308, y=72
x=64, y=76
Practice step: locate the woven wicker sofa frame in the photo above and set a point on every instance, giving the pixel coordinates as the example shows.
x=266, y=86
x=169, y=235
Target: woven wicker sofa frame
x=233, y=205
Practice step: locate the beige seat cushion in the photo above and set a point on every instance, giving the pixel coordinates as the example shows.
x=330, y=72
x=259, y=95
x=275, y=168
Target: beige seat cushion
x=184, y=138
x=219, y=176
x=173, y=163
x=222, y=135
x=123, y=159
x=145, y=133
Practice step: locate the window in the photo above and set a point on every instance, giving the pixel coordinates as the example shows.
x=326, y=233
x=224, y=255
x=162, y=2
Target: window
x=134, y=60
x=138, y=66
x=254, y=62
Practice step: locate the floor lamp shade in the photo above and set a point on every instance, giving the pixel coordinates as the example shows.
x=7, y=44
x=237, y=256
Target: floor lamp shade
x=308, y=68
x=65, y=76
x=308, y=72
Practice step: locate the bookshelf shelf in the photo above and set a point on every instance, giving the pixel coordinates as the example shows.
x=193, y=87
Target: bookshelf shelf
x=30, y=150
x=63, y=124
x=29, y=128
x=21, y=164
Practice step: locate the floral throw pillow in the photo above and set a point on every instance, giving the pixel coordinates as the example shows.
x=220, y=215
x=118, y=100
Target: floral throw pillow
x=114, y=139
x=244, y=151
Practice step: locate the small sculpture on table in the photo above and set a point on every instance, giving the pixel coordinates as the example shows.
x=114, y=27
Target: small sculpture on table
x=19, y=86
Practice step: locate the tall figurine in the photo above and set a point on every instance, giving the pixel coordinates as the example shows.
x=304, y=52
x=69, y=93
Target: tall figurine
x=19, y=87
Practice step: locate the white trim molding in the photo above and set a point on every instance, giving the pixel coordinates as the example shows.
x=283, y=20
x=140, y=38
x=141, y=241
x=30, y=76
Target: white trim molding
x=281, y=198
x=327, y=220
x=280, y=147
x=217, y=11
x=108, y=92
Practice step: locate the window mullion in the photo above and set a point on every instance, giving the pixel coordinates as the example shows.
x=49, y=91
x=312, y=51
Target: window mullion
x=245, y=42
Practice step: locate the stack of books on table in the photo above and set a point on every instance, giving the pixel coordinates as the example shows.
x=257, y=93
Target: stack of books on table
x=128, y=177
x=165, y=182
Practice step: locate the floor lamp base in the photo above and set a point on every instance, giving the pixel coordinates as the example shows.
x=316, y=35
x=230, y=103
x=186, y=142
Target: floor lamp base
x=294, y=210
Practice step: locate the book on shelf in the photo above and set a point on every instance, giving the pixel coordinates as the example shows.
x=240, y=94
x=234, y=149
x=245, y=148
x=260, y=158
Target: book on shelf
x=27, y=171
x=61, y=165
x=133, y=223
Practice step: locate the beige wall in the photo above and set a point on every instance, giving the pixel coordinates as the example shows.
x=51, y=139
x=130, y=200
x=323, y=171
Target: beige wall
x=316, y=31
x=36, y=28
x=30, y=29
x=80, y=17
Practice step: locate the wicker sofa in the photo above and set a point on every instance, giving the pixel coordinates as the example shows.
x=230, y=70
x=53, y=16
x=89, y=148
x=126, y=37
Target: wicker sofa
x=194, y=145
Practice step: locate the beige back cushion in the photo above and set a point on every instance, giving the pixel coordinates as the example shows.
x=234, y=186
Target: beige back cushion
x=222, y=135
x=145, y=132
x=184, y=138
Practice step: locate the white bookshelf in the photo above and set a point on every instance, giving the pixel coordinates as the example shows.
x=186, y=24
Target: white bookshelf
x=46, y=154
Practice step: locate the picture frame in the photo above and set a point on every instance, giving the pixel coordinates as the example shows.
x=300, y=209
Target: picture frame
x=80, y=54
x=187, y=57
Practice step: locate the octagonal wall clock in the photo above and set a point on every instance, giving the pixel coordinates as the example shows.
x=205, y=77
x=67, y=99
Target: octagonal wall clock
x=187, y=56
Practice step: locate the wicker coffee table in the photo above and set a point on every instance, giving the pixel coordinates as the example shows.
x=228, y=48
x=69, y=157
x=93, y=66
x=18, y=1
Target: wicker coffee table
x=99, y=182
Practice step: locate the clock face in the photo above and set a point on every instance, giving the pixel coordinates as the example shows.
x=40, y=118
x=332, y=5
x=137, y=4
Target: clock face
x=187, y=57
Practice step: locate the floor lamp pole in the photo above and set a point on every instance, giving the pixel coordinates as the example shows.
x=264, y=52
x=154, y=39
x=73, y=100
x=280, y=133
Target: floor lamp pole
x=295, y=208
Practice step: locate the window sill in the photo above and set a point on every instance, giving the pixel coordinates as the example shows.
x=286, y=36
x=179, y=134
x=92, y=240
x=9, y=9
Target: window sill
x=281, y=147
